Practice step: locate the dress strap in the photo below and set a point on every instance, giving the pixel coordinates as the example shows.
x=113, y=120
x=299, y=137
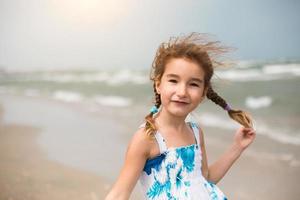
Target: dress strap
x=161, y=142
x=195, y=128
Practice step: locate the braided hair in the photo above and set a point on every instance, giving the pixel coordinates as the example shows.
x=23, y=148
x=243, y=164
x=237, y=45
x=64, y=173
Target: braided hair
x=240, y=116
x=150, y=124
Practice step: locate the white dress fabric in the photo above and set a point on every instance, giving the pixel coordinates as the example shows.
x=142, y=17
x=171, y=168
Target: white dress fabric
x=176, y=173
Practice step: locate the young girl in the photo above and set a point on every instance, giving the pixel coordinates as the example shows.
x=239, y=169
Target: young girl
x=167, y=155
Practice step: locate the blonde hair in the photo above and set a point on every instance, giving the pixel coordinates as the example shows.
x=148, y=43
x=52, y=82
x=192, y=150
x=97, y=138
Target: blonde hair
x=206, y=53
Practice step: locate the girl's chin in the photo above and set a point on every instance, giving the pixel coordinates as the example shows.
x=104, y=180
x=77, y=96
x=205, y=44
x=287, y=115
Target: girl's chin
x=179, y=112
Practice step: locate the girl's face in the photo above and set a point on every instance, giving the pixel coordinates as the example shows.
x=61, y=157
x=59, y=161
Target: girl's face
x=181, y=86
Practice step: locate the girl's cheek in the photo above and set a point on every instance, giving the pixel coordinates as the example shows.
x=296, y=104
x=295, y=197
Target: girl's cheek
x=169, y=88
x=199, y=95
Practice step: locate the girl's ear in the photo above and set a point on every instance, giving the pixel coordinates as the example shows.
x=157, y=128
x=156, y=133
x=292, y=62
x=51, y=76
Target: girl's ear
x=157, y=84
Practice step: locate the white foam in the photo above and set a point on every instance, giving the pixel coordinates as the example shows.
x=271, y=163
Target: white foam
x=277, y=134
x=244, y=64
x=116, y=78
x=211, y=120
x=244, y=75
x=114, y=101
x=69, y=77
x=32, y=92
x=96, y=77
x=62, y=78
x=67, y=96
x=127, y=76
x=267, y=72
x=258, y=102
x=292, y=69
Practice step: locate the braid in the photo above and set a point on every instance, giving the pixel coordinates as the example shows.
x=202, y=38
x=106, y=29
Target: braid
x=213, y=96
x=239, y=116
x=150, y=124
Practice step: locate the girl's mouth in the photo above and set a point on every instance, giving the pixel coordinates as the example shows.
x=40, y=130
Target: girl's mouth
x=181, y=102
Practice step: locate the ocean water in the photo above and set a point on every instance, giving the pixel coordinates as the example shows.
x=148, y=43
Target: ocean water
x=268, y=90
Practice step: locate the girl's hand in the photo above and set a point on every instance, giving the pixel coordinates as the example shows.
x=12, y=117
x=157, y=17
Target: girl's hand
x=244, y=137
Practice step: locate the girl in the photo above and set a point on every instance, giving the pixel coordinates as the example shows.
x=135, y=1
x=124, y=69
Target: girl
x=167, y=155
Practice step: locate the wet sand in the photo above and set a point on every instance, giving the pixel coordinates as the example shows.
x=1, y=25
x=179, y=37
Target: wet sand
x=257, y=174
x=38, y=160
x=267, y=170
x=26, y=173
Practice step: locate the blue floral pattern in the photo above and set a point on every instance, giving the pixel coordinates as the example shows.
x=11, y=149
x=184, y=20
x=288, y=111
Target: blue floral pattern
x=170, y=177
x=176, y=175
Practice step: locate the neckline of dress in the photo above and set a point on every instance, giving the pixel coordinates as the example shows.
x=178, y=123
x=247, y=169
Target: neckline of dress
x=180, y=147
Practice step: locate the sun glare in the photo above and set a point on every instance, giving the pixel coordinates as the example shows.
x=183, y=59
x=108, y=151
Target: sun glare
x=91, y=12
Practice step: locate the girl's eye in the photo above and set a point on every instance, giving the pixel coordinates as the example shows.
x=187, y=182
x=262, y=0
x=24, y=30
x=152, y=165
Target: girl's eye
x=195, y=85
x=172, y=81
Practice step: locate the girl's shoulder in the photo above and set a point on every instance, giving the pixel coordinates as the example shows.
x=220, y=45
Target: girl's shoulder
x=141, y=142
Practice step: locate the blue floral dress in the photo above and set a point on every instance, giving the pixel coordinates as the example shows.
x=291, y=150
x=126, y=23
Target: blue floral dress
x=176, y=173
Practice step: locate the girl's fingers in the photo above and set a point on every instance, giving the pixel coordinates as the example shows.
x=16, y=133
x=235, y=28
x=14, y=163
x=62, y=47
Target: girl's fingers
x=248, y=130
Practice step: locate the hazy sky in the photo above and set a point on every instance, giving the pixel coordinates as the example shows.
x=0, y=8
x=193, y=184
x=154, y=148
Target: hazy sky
x=59, y=34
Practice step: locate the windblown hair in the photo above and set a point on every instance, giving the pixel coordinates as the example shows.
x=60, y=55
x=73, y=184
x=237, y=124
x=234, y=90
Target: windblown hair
x=197, y=48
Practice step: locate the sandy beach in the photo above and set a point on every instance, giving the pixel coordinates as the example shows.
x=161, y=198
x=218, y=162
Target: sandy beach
x=35, y=162
x=26, y=173
x=33, y=166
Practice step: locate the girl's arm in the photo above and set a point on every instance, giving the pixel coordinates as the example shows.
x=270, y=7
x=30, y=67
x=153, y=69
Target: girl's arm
x=215, y=172
x=136, y=155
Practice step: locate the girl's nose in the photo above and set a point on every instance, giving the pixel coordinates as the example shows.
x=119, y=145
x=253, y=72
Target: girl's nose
x=181, y=90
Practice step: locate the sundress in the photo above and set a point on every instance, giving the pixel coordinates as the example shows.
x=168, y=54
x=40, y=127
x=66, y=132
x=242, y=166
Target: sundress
x=176, y=173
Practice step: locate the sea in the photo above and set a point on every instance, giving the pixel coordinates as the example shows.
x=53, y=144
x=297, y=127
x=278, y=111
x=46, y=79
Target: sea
x=268, y=90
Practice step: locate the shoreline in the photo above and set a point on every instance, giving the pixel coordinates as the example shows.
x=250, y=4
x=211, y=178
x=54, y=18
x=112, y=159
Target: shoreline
x=89, y=180
x=27, y=170
x=26, y=173
x=69, y=134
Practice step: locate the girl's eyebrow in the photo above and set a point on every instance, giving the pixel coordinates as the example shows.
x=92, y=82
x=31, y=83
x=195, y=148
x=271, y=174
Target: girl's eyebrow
x=176, y=76
x=197, y=80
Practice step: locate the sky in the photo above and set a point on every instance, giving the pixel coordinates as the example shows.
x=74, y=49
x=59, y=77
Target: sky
x=101, y=34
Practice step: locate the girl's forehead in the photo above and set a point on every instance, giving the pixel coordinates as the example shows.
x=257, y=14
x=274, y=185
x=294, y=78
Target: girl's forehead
x=183, y=67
